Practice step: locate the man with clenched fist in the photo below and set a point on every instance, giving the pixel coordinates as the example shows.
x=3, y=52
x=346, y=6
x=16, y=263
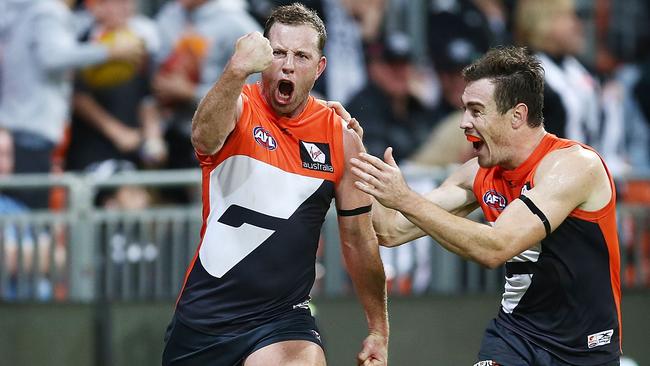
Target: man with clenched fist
x=273, y=158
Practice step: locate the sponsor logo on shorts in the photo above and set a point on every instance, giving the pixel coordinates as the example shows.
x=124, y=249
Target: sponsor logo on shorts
x=495, y=200
x=316, y=156
x=486, y=363
x=302, y=305
x=315, y=334
x=264, y=138
x=600, y=338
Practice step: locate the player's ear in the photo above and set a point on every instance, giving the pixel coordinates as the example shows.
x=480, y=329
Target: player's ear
x=321, y=66
x=519, y=115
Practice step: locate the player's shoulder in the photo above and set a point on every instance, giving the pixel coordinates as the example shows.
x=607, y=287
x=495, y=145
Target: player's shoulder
x=572, y=158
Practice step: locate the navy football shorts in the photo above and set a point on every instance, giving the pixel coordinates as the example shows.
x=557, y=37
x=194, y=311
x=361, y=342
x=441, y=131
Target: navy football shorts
x=503, y=347
x=185, y=346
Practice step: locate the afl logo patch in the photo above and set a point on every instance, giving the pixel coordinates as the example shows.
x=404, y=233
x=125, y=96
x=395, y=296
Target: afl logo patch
x=264, y=138
x=495, y=200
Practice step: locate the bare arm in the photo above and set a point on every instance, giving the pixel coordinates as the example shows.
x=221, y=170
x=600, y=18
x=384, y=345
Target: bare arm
x=218, y=112
x=517, y=228
x=154, y=148
x=125, y=138
x=361, y=255
x=454, y=195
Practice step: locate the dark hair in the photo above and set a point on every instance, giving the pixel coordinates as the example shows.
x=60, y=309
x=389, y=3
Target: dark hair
x=518, y=77
x=297, y=14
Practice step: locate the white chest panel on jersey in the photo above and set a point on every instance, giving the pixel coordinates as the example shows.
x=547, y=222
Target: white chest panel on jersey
x=255, y=186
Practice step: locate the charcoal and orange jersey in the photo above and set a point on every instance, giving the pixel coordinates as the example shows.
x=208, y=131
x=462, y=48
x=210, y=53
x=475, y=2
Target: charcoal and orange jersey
x=563, y=293
x=265, y=197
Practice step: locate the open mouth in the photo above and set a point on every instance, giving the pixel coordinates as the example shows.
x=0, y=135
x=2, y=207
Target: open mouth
x=285, y=89
x=476, y=142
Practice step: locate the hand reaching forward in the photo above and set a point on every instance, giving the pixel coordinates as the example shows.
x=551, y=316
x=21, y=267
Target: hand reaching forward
x=381, y=179
x=374, y=351
x=253, y=53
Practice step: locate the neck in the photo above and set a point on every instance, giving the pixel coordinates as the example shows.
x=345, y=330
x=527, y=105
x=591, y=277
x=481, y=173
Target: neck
x=526, y=146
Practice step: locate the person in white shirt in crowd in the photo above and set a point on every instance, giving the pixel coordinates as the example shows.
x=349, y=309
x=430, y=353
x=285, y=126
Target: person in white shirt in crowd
x=40, y=54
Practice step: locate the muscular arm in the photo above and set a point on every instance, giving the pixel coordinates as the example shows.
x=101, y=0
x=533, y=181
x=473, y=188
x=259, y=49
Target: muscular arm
x=454, y=195
x=361, y=251
x=560, y=187
x=218, y=112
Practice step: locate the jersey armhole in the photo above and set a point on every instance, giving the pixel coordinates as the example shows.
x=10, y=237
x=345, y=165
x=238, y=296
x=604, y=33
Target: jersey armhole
x=476, y=185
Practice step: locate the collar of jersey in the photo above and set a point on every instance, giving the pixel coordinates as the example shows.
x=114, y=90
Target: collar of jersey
x=521, y=172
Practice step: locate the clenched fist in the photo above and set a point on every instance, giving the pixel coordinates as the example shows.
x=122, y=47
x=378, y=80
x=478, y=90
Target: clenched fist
x=253, y=53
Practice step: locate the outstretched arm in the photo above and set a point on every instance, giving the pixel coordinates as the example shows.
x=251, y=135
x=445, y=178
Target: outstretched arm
x=454, y=195
x=361, y=255
x=517, y=228
x=218, y=112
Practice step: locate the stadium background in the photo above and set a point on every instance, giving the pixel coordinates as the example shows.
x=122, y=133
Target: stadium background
x=115, y=313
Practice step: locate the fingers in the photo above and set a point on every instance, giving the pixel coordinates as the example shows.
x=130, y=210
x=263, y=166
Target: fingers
x=373, y=160
x=354, y=125
x=361, y=164
x=363, y=358
x=366, y=188
x=388, y=157
x=338, y=108
x=366, y=178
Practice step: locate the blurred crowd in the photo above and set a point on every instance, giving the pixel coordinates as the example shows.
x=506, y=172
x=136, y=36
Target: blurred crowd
x=97, y=86
x=90, y=81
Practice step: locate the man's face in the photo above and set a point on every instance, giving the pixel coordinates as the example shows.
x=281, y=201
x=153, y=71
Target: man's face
x=566, y=31
x=113, y=14
x=393, y=77
x=485, y=124
x=297, y=63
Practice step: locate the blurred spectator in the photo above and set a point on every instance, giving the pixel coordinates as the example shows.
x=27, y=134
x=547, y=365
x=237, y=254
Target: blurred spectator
x=388, y=111
x=457, y=19
x=261, y=9
x=124, y=242
x=642, y=90
x=497, y=15
x=114, y=116
x=392, y=116
x=127, y=197
x=20, y=241
x=446, y=144
x=626, y=134
x=571, y=101
x=350, y=26
x=40, y=54
x=198, y=38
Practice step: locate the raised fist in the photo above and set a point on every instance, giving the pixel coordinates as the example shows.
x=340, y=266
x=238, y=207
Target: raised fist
x=253, y=53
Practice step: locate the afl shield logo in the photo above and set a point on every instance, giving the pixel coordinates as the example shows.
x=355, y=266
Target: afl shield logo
x=264, y=138
x=495, y=200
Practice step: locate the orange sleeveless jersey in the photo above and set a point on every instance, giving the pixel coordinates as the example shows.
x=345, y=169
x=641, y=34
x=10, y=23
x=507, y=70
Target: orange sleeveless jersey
x=265, y=196
x=564, y=293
